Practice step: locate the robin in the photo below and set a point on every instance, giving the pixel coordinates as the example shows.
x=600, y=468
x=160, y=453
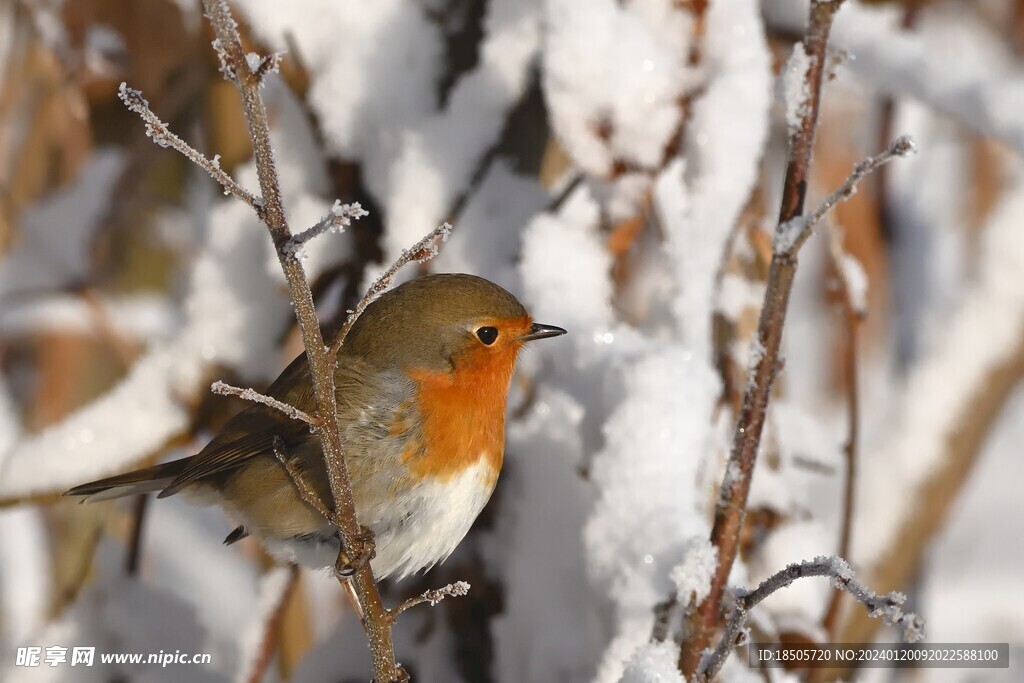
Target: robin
x=422, y=381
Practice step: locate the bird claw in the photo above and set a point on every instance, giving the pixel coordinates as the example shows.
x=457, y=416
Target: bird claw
x=354, y=558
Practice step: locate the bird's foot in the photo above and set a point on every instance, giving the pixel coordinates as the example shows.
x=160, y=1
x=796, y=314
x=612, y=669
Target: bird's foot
x=356, y=555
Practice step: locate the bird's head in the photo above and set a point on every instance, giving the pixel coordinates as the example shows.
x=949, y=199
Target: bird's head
x=445, y=323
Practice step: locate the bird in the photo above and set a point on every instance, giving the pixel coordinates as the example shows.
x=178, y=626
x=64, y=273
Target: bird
x=422, y=382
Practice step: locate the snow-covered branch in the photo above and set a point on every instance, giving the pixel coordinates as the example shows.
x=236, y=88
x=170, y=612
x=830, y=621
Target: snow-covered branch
x=889, y=607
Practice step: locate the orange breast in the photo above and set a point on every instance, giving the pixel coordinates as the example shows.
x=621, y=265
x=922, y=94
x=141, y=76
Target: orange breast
x=463, y=414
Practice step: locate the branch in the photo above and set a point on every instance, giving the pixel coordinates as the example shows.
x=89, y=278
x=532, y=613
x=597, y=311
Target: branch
x=306, y=491
x=853, y=304
x=888, y=607
x=422, y=251
x=791, y=234
x=223, y=389
x=266, y=65
x=452, y=590
x=339, y=218
x=161, y=135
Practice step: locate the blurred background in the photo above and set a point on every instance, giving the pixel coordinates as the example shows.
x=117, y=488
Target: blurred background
x=616, y=164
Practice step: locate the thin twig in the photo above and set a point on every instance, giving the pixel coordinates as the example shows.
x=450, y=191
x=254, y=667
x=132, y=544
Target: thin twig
x=730, y=509
x=267, y=65
x=162, y=136
x=339, y=218
x=434, y=596
x=306, y=491
x=223, y=389
x=889, y=607
x=424, y=250
x=852, y=314
x=791, y=234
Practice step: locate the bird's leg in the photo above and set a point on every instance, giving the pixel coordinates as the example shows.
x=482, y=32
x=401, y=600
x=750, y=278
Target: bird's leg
x=306, y=491
x=351, y=560
x=353, y=600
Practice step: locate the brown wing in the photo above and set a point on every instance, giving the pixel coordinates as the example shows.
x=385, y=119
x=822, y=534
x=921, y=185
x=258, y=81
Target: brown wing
x=251, y=433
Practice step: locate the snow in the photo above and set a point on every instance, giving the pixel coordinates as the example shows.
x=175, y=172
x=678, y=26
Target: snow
x=739, y=295
x=253, y=60
x=550, y=627
x=795, y=89
x=802, y=602
x=647, y=476
x=495, y=216
x=856, y=282
x=436, y=159
x=788, y=233
x=24, y=560
x=698, y=203
x=140, y=317
x=417, y=158
x=565, y=254
x=613, y=74
x=692, y=577
x=654, y=663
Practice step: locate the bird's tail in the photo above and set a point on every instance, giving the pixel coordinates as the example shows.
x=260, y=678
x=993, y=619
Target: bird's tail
x=146, y=480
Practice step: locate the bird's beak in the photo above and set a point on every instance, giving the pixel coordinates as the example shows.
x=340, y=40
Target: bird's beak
x=541, y=331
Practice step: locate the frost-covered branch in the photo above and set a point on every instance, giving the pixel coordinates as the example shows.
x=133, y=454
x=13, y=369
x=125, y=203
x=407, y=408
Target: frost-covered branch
x=434, y=596
x=158, y=131
x=791, y=234
x=339, y=218
x=889, y=607
x=422, y=251
x=223, y=389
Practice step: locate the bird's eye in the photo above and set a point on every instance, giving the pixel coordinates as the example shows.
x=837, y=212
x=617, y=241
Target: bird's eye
x=487, y=335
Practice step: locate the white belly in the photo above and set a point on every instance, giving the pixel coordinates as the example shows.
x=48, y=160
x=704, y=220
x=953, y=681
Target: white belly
x=419, y=528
